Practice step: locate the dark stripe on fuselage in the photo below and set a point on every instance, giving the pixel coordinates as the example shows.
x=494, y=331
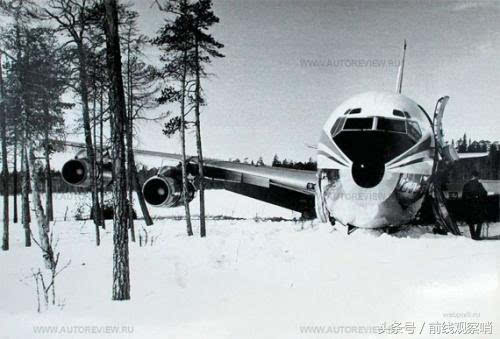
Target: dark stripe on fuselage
x=416, y=161
x=323, y=153
x=422, y=146
x=327, y=141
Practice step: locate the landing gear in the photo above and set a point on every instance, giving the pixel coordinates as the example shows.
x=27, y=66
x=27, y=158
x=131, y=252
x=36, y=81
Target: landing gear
x=393, y=230
x=439, y=230
x=332, y=220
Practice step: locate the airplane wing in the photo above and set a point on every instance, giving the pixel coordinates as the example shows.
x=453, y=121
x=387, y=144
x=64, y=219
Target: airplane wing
x=454, y=190
x=458, y=207
x=472, y=155
x=288, y=188
x=285, y=187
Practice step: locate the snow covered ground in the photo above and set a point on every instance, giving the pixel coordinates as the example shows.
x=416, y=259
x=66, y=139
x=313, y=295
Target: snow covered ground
x=256, y=279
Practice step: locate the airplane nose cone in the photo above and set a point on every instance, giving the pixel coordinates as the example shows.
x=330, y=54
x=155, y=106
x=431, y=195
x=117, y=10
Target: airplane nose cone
x=368, y=174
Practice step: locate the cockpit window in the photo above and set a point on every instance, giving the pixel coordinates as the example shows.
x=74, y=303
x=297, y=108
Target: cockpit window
x=358, y=124
x=370, y=142
x=401, y=114
x=398, y=113
x=337, y=126
x=391, y=125
x=353, y=111
x=414, y=130
x=377, y=125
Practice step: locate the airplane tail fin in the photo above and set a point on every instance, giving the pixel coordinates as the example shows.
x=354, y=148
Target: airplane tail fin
x=401, y=69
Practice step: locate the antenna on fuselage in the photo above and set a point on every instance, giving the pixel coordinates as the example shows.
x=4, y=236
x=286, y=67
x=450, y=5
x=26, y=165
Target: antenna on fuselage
x=401, y=69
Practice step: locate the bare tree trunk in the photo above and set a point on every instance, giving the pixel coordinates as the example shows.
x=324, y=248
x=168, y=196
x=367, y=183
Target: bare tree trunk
x=201, y=175
x=183, y=148
x=111, y=106
x=130, y=213
x=5, y=166
x=48, y=180
x=129, y=145
x=49, y=205
x=130, y=176
x=25, y=199
x=140, y=197
x=16, y=130
x=27, y=196
x=121, y=270
x=97, y=209
x=84, y=93
x=15, y=176
x=101, y=153
x=132, y=169
x=42, y=219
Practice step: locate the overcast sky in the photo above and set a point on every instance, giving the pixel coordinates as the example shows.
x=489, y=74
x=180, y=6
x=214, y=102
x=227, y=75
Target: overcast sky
x=264, y=100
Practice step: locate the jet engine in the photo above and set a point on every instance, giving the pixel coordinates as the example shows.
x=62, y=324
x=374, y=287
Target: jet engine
x=76, y=172
x=165, y=189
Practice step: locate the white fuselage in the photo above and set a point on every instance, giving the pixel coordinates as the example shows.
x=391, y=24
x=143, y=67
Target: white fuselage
x=375, y=156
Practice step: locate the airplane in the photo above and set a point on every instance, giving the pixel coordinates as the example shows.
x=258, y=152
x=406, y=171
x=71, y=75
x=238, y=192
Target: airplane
x=378, y=157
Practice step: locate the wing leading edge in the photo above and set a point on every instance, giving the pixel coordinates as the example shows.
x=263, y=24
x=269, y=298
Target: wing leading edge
x=285, y=187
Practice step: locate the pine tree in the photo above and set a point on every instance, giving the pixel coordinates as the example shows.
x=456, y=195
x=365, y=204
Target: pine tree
x=276, y=161
x=175, y=43
x=36, y=81
x=121, y=270
x=16, y=10
x=73, y=17
x=462, y=145
x=140, y=91
x=205, y=48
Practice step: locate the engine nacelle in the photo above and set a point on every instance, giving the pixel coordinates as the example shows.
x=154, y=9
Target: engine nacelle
x=165, y=190
x=76, y=172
